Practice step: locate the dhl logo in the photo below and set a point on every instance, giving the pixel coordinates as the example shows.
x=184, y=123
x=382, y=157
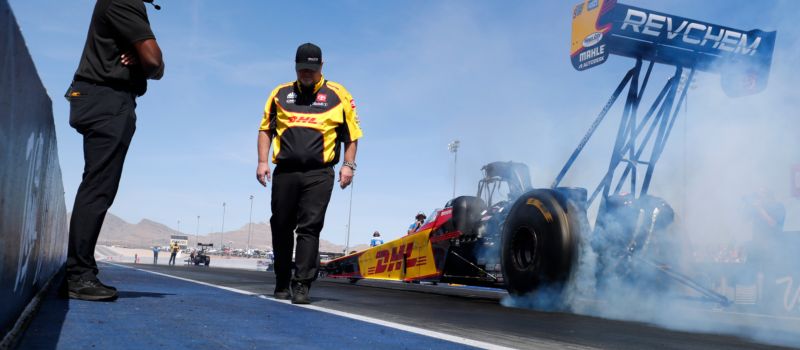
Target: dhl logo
x=306, y=120
x=388, y=260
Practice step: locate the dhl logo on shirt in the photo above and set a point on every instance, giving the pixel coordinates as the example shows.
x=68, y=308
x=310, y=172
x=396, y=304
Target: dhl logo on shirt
x=302, y=120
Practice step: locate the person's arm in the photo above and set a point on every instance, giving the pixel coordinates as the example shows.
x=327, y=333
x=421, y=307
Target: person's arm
x=768, y=219
x=345, y=172
x=262, y=171
x=266, y=131
x=150, y=58
x=129, y=19
x=349, y=133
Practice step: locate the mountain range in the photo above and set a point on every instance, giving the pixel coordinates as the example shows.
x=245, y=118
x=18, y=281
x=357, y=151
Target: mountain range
x=148, y=233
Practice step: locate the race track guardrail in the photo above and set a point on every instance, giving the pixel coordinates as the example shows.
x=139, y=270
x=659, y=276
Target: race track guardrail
x=33, y=227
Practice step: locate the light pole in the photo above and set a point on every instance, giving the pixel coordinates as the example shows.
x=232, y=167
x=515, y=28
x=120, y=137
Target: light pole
x=250, y=227
x=349, y=215
x=197, y=233
x=179, y=227
x=222, y=231
x=453, y=147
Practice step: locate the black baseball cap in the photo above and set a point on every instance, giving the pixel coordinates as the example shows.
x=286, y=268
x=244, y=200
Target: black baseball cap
x=309, y=56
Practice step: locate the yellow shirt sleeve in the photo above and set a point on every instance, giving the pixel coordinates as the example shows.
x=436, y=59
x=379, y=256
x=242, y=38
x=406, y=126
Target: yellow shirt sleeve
x=266, y=121
x=351, y=116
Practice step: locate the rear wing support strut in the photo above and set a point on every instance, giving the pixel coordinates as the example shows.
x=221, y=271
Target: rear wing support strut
x=630, y=145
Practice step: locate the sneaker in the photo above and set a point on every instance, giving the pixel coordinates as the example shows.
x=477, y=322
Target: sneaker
x=300, y=293
x=91, y=290
x=282, y=294
x=106, y=286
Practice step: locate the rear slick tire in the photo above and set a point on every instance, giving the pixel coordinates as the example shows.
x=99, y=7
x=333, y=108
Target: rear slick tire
x=540, y=242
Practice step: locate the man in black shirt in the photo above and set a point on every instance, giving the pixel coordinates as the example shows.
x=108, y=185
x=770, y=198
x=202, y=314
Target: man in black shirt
x=119, y=56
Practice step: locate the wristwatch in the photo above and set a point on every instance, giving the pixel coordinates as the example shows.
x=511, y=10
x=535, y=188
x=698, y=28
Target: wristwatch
x=351, y=165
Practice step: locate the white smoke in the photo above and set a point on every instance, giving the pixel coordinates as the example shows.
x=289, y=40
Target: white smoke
x=723, y=152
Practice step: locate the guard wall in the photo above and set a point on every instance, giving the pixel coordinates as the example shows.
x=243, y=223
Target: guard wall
x=33, y=228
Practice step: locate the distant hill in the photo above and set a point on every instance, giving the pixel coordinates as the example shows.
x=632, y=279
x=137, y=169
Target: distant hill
x=147, y=233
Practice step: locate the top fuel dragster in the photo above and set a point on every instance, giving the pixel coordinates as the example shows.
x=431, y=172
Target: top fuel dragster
x=530, y=238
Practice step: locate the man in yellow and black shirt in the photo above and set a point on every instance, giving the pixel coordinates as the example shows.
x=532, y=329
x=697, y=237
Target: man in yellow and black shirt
x=305, y=122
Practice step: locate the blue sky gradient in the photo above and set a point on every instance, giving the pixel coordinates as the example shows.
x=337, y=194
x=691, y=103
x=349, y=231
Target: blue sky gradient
x=494, y=74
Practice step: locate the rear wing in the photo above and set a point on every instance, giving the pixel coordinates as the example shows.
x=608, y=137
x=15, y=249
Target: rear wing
x=604, y=27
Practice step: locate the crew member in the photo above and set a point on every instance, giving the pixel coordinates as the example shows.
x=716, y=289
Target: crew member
x=119, y=56
x=419, y=220
x=306, y=122
x=173, y=253
x=376, y=239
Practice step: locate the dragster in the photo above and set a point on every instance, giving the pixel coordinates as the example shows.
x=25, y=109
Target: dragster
x=485, y=240
x=530, y=238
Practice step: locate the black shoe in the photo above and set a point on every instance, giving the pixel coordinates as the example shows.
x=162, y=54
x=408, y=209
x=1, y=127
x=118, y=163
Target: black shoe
x=282, y=294
x=91, y=290
x=106, y=286
x=300, y=293
x=63, y=288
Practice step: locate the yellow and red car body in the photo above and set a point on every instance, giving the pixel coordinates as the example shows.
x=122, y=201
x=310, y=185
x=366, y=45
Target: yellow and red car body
x=418, y=256
x=462, y=242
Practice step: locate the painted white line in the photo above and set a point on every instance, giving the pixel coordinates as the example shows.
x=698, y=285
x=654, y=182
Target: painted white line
x=186, y=279
x=402, y=327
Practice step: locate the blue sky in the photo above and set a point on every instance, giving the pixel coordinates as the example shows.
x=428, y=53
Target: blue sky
x=494, y=74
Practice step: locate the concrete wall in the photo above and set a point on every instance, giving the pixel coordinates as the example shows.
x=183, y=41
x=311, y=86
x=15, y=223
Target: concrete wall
x=33, y=228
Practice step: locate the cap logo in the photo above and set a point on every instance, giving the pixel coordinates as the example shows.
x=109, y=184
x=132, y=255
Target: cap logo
x=313, y=59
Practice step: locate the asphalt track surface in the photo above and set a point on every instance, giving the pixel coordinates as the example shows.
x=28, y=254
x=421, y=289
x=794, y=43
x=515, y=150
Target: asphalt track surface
x=467, y=313
x=155, y=311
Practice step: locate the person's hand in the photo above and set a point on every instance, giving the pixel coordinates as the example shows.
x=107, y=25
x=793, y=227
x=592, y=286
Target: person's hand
x=345, y=176
x=263, y=173
x=129, y=59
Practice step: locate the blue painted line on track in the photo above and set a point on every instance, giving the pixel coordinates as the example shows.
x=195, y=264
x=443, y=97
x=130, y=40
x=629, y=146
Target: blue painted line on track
x=161, y=312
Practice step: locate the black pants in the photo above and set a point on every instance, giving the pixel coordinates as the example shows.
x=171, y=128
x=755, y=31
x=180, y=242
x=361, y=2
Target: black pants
x=299, y=201
x=172, y=259
x=107, y=120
